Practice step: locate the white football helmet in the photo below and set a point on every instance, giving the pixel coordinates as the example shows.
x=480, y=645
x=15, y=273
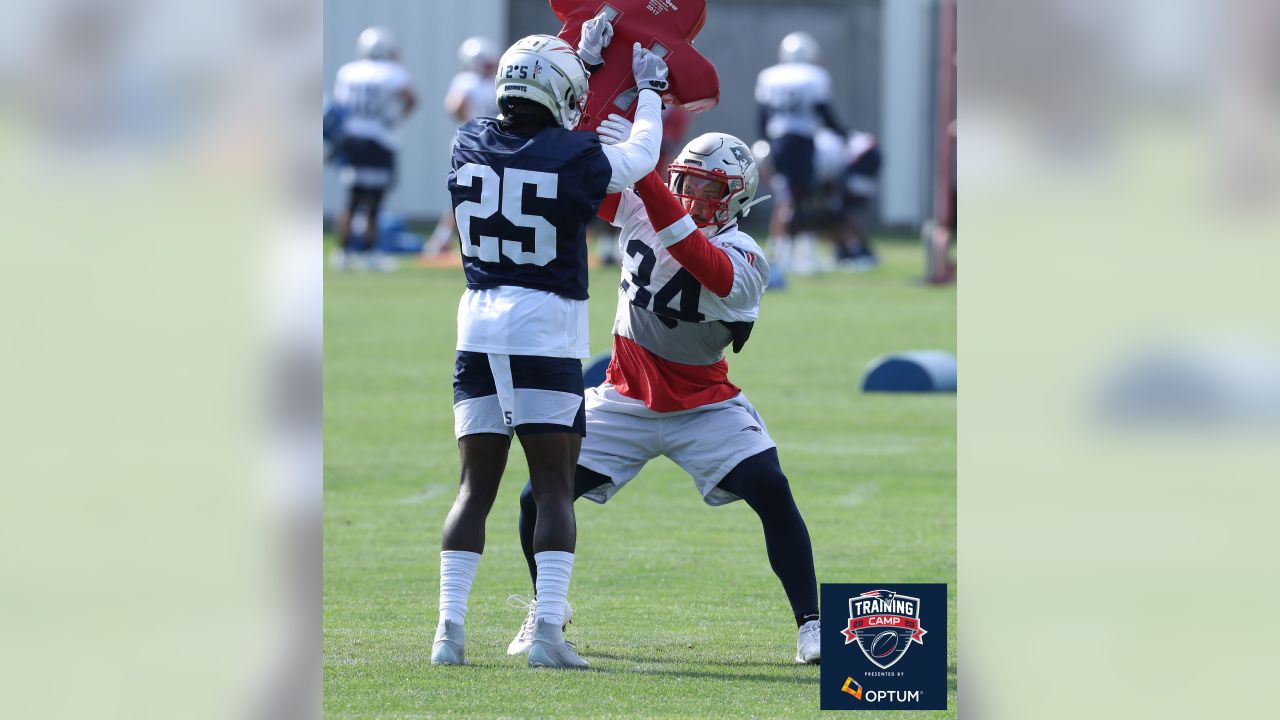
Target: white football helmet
x=798, y=46
x=376, y=43
x=475, y=53
x=723, y=157
x=546, y=70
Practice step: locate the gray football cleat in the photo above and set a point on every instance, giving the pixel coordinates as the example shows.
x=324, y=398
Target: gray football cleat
x=549, y=649
x=524, y=638
x=809, y=643
x=450, y=645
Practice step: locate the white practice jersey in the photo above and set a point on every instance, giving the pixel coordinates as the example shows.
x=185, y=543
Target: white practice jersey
x=860, y=183
x=662, y=306
x=830, y=156
x=791, y=92
x=478, y=98
x=511, y=320
x=368, y=90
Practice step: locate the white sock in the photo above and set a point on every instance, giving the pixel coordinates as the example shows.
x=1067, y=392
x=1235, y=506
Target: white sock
x=554, y=570
x=806, y=252
x=781, y=251
x=457, y=571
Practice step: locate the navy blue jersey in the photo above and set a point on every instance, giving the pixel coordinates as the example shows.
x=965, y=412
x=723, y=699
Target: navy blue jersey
x=523, y=204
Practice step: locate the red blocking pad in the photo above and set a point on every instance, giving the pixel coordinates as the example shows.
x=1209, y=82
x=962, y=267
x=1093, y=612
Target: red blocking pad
x=664, y=26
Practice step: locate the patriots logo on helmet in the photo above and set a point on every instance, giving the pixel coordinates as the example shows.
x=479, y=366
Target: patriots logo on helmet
x=744, y=157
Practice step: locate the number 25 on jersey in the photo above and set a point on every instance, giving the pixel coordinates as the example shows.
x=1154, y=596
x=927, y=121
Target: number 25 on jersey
x=505, y=194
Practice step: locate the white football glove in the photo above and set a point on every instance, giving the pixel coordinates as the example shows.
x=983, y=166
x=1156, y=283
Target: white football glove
x=596, y=34
x=614, y=130
x=649, y=69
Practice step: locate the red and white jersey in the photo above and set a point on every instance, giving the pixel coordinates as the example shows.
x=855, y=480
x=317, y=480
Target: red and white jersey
x=669, y=331
x=830, y=156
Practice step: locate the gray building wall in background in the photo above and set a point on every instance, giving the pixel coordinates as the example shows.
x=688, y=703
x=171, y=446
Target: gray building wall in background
x=879, y=55
x=741, y=38
x=877, y=52
x=429, y=34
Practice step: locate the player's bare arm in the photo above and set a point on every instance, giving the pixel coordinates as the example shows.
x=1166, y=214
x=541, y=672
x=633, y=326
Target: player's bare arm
x=408, y=101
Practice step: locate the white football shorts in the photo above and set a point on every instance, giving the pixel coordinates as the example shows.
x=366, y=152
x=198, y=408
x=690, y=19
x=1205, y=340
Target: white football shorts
x=706, y=442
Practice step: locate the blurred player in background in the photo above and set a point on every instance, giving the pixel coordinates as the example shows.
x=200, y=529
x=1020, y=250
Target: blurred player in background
x=846, y=180
x=859, y=190
x=470, y=95
x=691, y=287
x=375, y=95
x=331, y=126
x=794, y=98
x=524, y=186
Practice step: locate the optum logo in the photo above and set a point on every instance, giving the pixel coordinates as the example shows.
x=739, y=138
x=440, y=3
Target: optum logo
x=892, y=695
x=852, y=687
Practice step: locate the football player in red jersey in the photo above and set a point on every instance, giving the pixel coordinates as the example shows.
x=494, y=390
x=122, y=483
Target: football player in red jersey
x=691, y=286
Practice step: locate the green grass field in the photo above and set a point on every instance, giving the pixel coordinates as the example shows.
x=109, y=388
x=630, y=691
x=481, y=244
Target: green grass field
x=675, y=605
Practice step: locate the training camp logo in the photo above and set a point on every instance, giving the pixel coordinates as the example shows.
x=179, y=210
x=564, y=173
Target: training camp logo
x=865, y=665
x=884, y=624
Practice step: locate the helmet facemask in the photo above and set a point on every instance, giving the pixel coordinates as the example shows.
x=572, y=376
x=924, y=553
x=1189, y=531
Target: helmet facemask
x=715, y=164
x=706, y=195
x=571, y=111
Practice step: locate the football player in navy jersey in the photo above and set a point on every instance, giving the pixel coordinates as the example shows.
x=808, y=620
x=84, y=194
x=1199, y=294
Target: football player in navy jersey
x=524, y=187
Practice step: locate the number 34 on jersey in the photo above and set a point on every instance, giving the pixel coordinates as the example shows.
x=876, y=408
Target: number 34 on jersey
x=667, y=289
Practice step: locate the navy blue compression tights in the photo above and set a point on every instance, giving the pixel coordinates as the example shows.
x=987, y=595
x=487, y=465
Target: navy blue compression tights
x=759, y=481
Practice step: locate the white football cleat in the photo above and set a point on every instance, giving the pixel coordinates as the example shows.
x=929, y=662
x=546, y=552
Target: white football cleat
x=524, y=638
x=379, y=262
x=549, y=649
x=809, y=643
x=804, y=268
x=358, y=262
x=338, y=260
x=450, y=645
